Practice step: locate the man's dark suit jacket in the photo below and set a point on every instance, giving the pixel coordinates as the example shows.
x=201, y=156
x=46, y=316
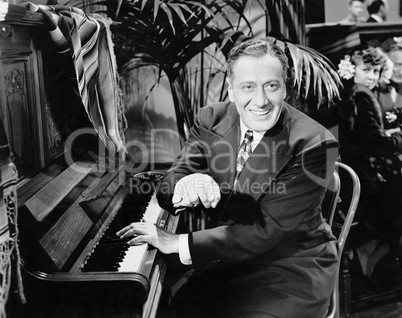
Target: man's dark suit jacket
x=387, y=104
x=271, y=252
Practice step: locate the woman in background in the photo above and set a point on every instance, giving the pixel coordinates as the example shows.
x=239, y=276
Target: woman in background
x=363, y=141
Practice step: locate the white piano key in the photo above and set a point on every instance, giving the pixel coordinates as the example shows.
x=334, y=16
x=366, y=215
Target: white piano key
x=133, y=258
x=153, y=210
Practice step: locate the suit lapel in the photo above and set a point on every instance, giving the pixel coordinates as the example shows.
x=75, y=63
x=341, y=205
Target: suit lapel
x=222, y=142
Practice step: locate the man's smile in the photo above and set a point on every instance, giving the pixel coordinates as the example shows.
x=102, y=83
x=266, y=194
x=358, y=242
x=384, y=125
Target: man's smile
x=259, y=112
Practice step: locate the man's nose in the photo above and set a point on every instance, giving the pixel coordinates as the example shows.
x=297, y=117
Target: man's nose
x=260, y=98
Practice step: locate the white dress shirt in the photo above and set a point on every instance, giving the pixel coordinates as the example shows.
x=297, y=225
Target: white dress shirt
x=376, y=17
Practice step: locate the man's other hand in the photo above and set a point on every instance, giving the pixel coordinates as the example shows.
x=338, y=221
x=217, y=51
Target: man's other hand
x=194, y=189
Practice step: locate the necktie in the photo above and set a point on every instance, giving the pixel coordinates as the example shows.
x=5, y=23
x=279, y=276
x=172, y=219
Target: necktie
x=244, y=152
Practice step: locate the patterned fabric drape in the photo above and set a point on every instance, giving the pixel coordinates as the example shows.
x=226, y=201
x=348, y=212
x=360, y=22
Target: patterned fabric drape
x=87, y=40
x=8, y=224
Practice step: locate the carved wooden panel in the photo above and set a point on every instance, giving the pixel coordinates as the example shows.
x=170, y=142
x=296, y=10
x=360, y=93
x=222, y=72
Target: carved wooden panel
x=19, y=116
x=33, y=136
x=53, y=136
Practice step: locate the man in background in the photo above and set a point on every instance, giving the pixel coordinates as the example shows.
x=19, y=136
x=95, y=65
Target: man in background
x=355, y=8
x=390, y=95
x=378, y=10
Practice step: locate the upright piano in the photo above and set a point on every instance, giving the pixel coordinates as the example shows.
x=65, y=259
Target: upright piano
x=72, y=200
x=74, y=264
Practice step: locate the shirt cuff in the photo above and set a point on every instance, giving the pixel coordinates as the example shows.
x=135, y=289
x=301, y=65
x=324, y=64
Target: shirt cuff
x=184, y=250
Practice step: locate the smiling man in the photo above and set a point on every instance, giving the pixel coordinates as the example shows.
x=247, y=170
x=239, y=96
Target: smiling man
x=260, y=169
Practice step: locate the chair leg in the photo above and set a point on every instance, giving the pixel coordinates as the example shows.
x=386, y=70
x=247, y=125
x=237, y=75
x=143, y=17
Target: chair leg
x=345, y=286
x=395, y=253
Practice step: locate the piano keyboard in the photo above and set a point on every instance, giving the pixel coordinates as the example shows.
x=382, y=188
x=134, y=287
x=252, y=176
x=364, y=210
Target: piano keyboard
x=113, y=253
x=134, y=255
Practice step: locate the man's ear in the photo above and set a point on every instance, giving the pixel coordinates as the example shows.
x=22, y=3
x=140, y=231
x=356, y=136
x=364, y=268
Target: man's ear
x=230, y=90
x=284, y=94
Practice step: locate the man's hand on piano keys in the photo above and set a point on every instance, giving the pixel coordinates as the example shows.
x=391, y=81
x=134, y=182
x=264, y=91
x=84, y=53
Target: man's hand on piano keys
x=194, y=189
x=147, y=232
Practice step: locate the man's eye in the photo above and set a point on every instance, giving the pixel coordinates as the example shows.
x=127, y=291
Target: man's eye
x=247, y=87
x=272, y=87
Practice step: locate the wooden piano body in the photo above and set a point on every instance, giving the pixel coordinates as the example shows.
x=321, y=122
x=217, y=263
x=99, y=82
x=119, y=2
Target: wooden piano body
x=70, y=199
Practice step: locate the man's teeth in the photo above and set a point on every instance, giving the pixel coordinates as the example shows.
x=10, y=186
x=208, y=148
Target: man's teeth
x=260, y=112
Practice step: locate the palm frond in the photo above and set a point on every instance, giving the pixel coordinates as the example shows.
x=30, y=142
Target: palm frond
x=311, y=70
x=176, y=8
x=237, y=8
x=168, y=14
x=168, y=7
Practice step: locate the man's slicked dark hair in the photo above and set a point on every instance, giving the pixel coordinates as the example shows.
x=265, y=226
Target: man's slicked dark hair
x=374, y=6
x=257, y=48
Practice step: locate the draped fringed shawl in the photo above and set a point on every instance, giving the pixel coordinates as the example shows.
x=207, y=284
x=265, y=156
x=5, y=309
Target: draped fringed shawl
x=87, y=39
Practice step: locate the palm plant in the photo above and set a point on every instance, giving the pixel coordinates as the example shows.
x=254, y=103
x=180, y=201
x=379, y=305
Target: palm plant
x=188, y=42
x=167, y=35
